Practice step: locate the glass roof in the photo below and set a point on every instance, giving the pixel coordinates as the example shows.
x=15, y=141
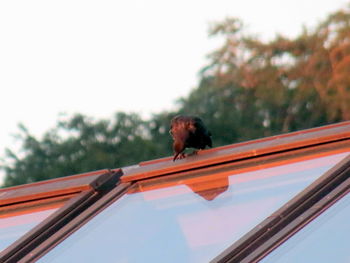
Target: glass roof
x=16, y=225
x=190, y=221
x=326, y=239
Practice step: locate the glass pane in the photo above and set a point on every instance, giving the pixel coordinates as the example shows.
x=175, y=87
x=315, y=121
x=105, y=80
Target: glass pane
x=326, y=239
x=188, y=222
x=15, y=224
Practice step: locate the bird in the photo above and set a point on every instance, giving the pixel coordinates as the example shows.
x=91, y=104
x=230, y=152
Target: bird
x=188, y=132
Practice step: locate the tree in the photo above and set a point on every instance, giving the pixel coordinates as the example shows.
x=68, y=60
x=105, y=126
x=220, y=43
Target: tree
x=78, y=145
x=249, y=89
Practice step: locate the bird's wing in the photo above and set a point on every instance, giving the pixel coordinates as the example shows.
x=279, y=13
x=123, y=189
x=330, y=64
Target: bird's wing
x=200, y=127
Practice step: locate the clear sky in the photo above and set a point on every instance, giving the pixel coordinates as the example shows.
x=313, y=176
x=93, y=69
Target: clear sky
x=99, y=57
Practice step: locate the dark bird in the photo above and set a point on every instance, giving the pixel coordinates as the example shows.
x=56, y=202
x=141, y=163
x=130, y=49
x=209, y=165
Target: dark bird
x=188, y=132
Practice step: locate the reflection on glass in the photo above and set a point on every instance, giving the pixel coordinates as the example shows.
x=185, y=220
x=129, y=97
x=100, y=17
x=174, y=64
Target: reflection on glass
x=188, y=222
x=326, y=239
x=13, y=227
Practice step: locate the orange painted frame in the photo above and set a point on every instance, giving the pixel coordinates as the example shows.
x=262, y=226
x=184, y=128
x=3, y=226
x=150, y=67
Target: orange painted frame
x=49, y=188
x=291, y=217
x=213, y=173
x=86, y=189
x=237, y=154
x=241, y=151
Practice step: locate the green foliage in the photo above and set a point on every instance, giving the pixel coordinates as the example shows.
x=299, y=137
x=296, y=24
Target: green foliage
x=78, y=145
x=252, y=88
x=249, y=89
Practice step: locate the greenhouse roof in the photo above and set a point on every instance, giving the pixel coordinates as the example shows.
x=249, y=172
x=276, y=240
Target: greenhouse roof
x=265, y=200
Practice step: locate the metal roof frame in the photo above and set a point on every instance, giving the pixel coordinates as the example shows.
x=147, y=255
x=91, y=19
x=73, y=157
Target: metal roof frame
x=240, y=151
x=291, y=217
x=75, y=223
x=88, y=188
x=96, y=190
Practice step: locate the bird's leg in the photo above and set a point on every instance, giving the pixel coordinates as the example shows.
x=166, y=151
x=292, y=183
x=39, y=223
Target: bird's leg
x=182, y=155
x=195, y=152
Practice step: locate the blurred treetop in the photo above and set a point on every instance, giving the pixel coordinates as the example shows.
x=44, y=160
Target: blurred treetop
x=249, y=89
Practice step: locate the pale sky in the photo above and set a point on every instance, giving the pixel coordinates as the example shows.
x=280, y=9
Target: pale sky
x=99, y=57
